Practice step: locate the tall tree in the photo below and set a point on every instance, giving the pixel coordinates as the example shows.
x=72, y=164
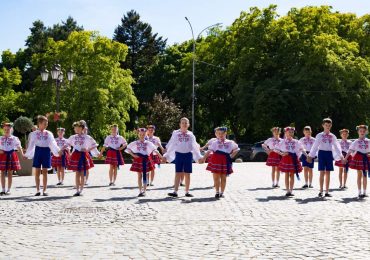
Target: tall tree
x=143, y=45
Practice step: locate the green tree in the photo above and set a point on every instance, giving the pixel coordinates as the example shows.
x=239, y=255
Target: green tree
x=101, y=93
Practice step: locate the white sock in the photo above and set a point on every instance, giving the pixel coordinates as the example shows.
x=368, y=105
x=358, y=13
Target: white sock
x=359, y=192
x=364, y=192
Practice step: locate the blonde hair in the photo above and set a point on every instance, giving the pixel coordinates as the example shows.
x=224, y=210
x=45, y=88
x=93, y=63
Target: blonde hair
x=185, y=119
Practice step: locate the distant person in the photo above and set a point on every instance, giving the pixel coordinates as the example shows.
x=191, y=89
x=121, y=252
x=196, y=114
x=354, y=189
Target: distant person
x=9, y=160
x=360, y=161
x=273, y=158
x=41, y=145
x=60, y=163
x=155, y=157
x=182, y=148
x=141, y=150
x=114, y=143
x=327, y=149
x=220, y=164
x=290, y=149
x=343, y=167
x=307, y=141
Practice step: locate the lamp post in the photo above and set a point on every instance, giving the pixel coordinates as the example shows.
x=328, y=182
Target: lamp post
x=57, y=75
x=193, y=79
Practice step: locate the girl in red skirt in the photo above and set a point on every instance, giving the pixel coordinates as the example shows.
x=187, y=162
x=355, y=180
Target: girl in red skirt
x=80, y=161
x=360, y=161
x=157, y=142
x=9, y=161
x=60, y=163
x=290, y=149
x=343, y=167
x=115, y=144
x=220, y=164
x=141, y=150
x=273, y=158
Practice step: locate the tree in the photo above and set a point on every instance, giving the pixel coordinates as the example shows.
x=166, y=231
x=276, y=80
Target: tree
x=143, y=45
x=9, y=99
x=101, y=93
x=164, y=113
x=23, y=125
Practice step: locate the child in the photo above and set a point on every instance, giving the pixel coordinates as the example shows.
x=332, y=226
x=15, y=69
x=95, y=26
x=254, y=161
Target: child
x=220, y=163
x=343, y=168
x=328, y=149
x=157, y=142
x=80, y=160
x=141, y=150
x=9, y=161
x=360, y=161
x=115, y=144
x=273, y=158
x=60, y=162
x=290, y=149
x=41, y=145
x=183, y=149
x=307, y=141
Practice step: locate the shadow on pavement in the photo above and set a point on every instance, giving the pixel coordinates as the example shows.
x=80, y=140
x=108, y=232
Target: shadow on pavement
x=349, y=200
x=308, y=200
x=261, y=188
x=41, y=198
x=272, y=198
x=116, y=199
x=207, y=199
x=162, y=188
x=203, y=188
x=155, y=200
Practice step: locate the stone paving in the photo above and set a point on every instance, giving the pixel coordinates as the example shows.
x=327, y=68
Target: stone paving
x=252, y=221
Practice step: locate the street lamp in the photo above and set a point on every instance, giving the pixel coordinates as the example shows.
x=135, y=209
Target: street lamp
x=57, y=75
x=193, y=84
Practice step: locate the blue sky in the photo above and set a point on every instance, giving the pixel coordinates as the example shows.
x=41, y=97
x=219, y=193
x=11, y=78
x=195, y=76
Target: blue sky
x=165, y=16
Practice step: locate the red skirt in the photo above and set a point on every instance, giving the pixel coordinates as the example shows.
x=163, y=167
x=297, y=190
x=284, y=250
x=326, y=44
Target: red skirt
x=13, y=163
x=340, y=164
x=57, y=161
x=137, y=165
x=273, y=159
x=112, y=158
x=74, y=162
x=357, y=163
x=288, y=165
x=218, y=164
x=155, y=158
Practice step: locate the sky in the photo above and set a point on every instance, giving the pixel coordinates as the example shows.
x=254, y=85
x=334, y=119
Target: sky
x=167, y=17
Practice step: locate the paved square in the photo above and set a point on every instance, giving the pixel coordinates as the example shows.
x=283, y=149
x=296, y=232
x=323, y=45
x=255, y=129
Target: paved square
x=253, y=221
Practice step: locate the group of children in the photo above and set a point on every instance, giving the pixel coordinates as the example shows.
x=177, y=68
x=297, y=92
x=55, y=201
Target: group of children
x=292, y=156
x=76, y=152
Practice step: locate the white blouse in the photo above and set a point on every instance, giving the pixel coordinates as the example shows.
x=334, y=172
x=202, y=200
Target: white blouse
x=41, y=139
x=290, y=146
x=226, y=146
x=154, y=140
x=182, y=142
x=360, y=145
x=79, y=142
x=307, y=143
x=143, y=147
x=272, y=143
x=8, y=143
x=114, y=141
x=344, y=145
x=326, y=142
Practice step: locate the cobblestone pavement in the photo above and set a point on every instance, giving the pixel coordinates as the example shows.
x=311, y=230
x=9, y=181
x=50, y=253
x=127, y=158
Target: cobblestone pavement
x=253, y=221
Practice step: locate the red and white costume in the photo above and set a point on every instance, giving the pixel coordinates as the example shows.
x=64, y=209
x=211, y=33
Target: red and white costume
x=143, y=149
x=290, y=162
x=220, y=161
x=61, y=161
x=41, y=139
x=157, y=142
x=359, y=149
x=344, y=144
x=273, y=158
x=81, y=160
x=114, y=155
x=9, y=160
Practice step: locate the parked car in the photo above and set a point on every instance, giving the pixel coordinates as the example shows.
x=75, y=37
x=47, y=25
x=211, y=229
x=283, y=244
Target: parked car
x=258, y=153
x=245, y=152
